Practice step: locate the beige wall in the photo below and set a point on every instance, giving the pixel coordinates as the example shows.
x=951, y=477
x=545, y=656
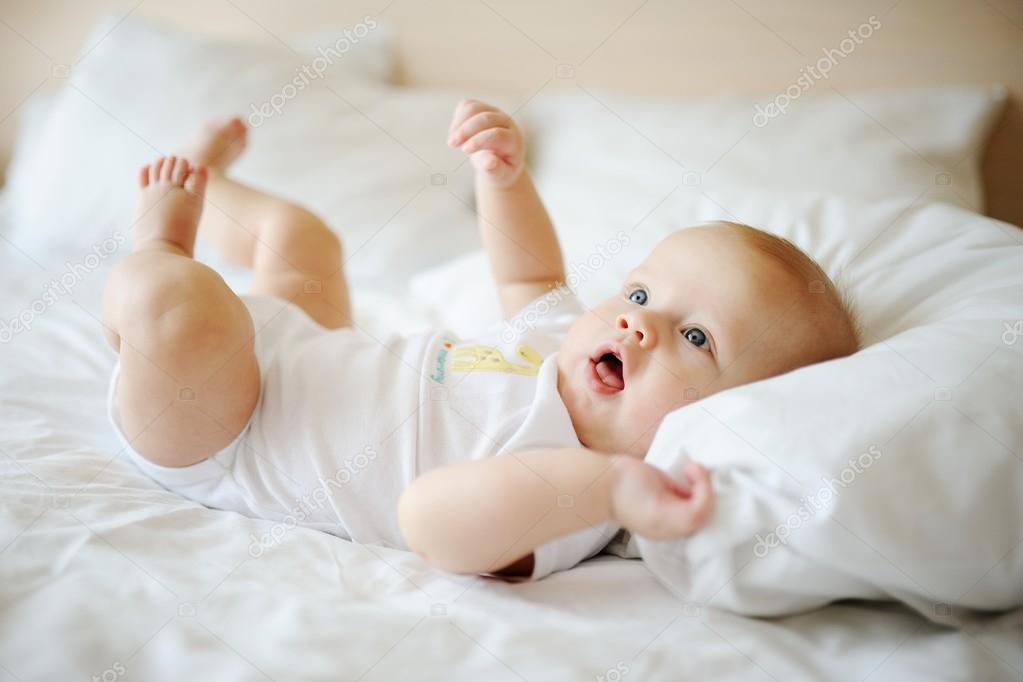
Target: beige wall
x=676, y=47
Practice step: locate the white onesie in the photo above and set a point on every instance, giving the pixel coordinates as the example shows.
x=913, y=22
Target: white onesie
x=345, y=422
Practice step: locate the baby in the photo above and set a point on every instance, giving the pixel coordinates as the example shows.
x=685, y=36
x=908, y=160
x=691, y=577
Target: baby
x=493, y=455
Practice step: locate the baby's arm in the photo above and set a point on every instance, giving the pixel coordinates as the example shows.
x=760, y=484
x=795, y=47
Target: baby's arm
x=488, y=515
x=517, y=233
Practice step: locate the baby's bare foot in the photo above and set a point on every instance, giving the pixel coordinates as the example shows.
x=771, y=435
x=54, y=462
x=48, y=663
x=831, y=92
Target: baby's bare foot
x=169, y=205
x=218, y=144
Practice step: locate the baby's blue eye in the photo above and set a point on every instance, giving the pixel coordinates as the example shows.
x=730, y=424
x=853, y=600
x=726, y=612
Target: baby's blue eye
x=696, y=336
x=639, y=296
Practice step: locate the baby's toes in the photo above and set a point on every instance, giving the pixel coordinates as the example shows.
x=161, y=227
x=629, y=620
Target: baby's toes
x=168, y=169
x=180, y=172
x=144, y=176
x=155, y=169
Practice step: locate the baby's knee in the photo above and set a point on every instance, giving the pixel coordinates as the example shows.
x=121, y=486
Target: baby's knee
x=300, y=237
x=170, y=301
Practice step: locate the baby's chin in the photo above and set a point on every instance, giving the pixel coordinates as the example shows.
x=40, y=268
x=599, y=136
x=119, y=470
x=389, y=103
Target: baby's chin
x=594, y=431
x=614, y=442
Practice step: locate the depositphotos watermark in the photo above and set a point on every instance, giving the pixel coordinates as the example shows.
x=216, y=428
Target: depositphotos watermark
x=314, y=70
x=810, y=74
x=311, y=502
x=810, y=505
x=115, y=672
x=575, y=274
x=75, y=271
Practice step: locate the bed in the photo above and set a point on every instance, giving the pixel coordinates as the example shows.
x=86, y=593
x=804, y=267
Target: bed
x=105, y=575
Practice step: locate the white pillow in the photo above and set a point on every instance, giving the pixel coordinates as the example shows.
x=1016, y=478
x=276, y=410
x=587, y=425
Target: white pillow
x=859, y=143
x=893, y=473
x=370, y=159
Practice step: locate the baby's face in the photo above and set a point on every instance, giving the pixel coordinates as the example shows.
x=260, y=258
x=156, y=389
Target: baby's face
x=699, y=315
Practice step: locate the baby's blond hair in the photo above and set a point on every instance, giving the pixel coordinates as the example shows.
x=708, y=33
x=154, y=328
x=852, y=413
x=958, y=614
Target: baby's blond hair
x=840, y=331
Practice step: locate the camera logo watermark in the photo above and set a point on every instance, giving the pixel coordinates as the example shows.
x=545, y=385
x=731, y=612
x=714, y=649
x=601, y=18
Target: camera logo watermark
x=1012, y=332
x=575, y=274
x=308, y=504
x=75, y=271
x=307, y=73
x=809, y=75
x=812, y=504
x=615, y=674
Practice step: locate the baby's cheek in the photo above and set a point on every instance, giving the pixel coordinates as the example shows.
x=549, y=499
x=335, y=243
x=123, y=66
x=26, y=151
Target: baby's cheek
x=672, y=396
x=575, y=340
x=650, y=412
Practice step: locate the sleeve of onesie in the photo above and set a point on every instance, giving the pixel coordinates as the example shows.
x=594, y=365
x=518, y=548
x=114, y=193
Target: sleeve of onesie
x=565, y=552
x=551, y=314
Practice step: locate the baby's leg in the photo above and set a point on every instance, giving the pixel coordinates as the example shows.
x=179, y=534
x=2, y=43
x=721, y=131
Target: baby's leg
x=189, y=379
x=294, y=254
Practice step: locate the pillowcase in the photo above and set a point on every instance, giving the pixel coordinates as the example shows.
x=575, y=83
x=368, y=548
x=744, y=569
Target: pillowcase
x=370, y=159
x=868, y=144
x=894, y=473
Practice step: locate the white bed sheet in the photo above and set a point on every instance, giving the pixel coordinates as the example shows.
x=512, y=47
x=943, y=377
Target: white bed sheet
x=103, y=575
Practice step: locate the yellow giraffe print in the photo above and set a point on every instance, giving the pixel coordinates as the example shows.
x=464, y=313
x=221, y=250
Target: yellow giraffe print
x=490, y=359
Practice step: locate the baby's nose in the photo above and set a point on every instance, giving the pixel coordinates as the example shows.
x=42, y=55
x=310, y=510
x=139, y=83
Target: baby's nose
x=638, y=328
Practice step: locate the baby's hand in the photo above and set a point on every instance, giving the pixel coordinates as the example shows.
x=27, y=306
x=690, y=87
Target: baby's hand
x=648, y=502
x=491, y=139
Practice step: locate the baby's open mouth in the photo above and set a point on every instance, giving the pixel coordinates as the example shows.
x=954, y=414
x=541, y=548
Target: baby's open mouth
x=609, y=369
x=606, y=371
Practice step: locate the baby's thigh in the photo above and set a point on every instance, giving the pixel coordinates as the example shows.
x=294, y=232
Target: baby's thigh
x=189, y=379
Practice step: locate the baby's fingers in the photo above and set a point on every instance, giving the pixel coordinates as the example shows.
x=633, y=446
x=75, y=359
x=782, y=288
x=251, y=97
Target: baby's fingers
x=501, y=141
x=465, y=110
x=485, y=161
x=696, y=510
x=478, y=123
